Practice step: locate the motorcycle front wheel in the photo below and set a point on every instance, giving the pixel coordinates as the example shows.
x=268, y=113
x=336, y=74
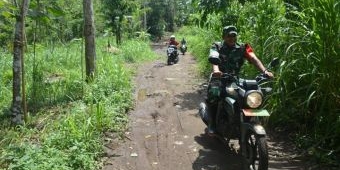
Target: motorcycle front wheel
x=256, y=152
x=176, y=60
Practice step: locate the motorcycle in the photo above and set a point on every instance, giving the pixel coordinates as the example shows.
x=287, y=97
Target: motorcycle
x=183, y=48
x=238, y=116
x=172, y=54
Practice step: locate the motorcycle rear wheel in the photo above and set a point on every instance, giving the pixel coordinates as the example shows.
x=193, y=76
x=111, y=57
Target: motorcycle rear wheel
x=256, y=152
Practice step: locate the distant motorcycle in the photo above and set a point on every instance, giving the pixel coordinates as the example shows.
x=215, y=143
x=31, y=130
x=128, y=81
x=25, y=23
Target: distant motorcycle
x=172, y=54
x=183, y=48
x=238, y=113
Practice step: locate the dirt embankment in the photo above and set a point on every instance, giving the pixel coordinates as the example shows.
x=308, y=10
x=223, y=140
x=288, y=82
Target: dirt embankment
x=166, y=132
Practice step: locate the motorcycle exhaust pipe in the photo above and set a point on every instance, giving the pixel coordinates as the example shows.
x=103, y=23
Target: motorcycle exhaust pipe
x=203, y=113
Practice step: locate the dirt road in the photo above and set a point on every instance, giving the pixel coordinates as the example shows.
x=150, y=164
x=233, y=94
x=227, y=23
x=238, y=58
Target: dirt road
x=166, y=132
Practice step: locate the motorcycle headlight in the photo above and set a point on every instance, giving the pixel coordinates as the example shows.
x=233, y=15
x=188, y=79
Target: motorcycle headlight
x=254, y=99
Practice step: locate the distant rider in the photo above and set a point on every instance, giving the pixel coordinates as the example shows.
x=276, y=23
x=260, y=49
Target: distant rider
x=183, y=41
x=173, y=41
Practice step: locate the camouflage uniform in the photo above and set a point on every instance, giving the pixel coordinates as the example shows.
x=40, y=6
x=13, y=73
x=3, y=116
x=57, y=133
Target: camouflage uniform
x=232, y=59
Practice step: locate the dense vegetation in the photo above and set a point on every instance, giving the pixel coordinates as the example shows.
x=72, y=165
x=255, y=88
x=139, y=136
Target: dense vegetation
x=68, y=115
x=305, y=36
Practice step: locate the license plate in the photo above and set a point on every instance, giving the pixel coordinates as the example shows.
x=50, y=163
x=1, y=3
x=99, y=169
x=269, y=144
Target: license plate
x=255, y=112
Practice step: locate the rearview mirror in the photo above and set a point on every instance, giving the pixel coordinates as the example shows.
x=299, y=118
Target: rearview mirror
x=274, y=62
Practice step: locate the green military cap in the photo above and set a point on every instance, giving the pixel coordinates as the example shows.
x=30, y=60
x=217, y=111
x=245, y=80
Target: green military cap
x=229, y=30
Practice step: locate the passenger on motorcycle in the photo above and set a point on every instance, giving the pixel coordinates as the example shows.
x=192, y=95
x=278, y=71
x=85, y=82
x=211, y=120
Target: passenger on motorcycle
x=173, y=41
x=232, y=55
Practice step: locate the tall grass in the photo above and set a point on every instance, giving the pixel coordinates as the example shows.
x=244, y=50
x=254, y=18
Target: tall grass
x=261, y=24
x=309, y=81
x=5, y=80
x=68, y=117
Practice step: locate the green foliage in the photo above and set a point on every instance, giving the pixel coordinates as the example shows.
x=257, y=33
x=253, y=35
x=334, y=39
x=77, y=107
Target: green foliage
x=54, y=20
x=6, y=18
x=68, y=116
x=199, y=42
x=155, y=21
x=118, y=8
x=6, y=78
x=208, y=7
x=183, y=11
x=48, y=21
x=118, y=11
x=166, y=15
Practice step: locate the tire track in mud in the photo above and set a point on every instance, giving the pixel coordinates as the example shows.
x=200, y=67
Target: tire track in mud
x=165, y=130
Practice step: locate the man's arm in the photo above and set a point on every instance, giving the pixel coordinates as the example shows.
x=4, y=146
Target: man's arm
x=177, y=44
x=254, y=60
x=214, y=54
x=251, y=57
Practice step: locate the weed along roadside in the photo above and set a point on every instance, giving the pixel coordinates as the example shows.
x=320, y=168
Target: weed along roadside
x=68, y=117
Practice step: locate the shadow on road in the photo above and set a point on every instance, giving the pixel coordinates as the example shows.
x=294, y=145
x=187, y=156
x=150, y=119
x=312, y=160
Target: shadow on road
x=191, y=100
x=215, y=155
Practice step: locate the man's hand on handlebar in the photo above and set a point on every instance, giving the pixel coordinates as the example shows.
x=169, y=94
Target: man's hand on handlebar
x=217, y=73
x=269, y=74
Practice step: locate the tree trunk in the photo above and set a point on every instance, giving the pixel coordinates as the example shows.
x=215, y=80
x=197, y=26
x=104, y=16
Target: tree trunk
x=90, y=46
x=18, y=53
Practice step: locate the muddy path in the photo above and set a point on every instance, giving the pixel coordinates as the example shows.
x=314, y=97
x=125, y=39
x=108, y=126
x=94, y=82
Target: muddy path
x=167, y=134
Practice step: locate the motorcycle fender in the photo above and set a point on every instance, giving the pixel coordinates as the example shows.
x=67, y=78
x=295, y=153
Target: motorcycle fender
x=204, y=113
x=231, y=103
x=256, y=128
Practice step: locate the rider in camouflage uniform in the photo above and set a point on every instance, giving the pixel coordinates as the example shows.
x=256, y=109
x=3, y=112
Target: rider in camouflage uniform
x=232, y=55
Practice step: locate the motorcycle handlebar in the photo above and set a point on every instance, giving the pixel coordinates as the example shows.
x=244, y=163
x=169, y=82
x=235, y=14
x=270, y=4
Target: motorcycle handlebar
x=224, y=76
x=260, y=78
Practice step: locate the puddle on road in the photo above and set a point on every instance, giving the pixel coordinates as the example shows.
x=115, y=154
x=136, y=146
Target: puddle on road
x=141, y=95
x=158, y=65
x=169, y=79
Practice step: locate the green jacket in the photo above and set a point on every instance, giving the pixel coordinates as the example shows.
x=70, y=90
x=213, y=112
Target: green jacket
x=232, y=58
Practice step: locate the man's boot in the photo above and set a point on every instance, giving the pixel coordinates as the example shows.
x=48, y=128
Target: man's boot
x=212, y=108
